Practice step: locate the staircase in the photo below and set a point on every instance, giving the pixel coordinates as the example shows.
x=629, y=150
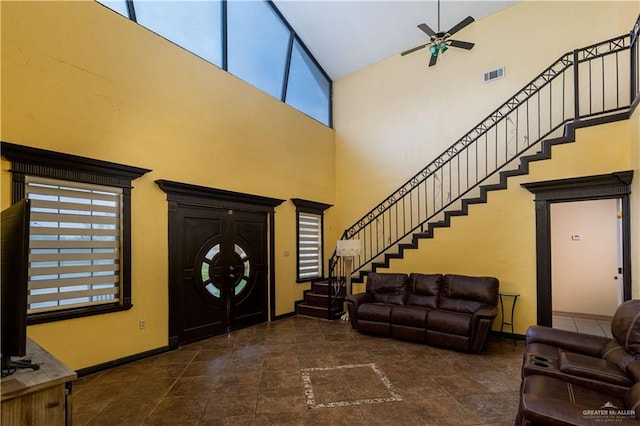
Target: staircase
x=318, y=304
x=589, y=86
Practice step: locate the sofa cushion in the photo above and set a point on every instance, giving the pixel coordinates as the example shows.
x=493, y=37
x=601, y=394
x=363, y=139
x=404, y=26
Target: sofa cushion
x=424, y=290
x=466, y=294
x=377, y=312
x=449, y=322
x=412, y=316
x=625, y=326
x=592, y=368
x=388, y=287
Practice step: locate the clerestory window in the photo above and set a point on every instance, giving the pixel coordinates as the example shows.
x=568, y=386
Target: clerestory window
x=250, y=39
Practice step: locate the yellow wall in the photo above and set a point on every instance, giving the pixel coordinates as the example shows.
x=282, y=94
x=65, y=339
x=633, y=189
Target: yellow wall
x=634, y=131
x=391, y=119
x=80, y=79
x=498, y=238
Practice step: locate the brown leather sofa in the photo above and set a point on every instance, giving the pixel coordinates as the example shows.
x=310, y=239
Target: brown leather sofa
x=452, y=311
x=571, y=378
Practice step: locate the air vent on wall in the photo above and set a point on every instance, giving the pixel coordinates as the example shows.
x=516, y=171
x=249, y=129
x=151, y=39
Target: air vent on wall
x=493, y=75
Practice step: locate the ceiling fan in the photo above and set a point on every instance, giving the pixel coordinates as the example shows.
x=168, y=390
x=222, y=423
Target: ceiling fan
x=439, y=42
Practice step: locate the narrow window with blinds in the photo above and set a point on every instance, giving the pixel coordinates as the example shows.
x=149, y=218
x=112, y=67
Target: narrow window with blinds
x=310, y=246
x=74, y=249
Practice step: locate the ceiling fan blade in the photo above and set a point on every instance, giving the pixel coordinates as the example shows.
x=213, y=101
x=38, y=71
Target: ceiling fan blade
x=406, y=52
x=433, y=60
x=461, y=44
x=466, y=21
x=427, y=29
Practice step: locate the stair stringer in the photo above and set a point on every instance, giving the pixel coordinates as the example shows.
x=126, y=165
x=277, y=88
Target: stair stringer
x=544, y=153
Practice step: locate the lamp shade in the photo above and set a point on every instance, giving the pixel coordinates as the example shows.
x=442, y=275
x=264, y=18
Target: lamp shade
x=348, y=248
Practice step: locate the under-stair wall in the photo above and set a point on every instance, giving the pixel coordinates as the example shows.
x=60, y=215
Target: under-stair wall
x=498, y=238
x=454, y=170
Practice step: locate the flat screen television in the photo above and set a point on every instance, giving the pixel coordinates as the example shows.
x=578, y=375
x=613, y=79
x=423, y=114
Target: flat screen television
x=14, y=251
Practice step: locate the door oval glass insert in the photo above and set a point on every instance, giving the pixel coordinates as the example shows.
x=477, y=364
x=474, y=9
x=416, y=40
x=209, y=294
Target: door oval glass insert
x=211, y=269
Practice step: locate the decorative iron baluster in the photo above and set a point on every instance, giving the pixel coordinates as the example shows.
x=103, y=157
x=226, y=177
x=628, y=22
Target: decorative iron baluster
x=432, y=178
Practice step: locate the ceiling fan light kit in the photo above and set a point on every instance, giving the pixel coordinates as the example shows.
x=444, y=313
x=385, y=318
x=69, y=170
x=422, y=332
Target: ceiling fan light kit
x=439, y=42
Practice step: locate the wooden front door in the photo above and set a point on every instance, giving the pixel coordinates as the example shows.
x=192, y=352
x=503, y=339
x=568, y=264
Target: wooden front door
x=220, y=271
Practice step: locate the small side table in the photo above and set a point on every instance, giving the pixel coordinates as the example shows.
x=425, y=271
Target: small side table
x=513, y=308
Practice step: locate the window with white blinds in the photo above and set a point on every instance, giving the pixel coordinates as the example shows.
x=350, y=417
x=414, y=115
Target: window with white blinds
x=309, y=246
x=75, y=244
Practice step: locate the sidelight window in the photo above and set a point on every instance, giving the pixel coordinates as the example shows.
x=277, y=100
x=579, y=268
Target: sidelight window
x=310, y=239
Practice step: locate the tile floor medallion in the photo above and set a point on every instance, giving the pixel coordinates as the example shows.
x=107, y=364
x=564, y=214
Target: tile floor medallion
x=332, y=376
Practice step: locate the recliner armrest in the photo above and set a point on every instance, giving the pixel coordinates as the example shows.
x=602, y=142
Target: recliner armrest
x=586, y=344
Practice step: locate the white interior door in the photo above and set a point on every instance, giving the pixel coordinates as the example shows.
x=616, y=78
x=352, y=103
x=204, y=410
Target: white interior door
x=586, y=256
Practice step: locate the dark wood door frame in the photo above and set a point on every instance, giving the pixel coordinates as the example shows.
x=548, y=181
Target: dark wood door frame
x=614, y=185
x=193, y=195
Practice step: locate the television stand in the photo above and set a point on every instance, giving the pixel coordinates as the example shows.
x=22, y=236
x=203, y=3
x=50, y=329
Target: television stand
x=40, y=392
x=10, y=366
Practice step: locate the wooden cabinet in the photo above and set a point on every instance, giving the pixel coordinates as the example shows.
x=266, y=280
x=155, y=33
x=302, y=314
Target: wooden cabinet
x=40, y=397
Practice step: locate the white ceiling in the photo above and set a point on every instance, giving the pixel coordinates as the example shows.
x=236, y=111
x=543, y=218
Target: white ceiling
x=347, y=35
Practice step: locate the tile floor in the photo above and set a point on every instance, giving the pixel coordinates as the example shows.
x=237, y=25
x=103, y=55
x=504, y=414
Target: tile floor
x=583, y=325
x=302, y=371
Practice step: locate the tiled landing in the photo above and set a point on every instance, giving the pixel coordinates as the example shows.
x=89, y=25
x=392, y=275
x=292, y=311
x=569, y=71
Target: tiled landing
x=583, y=325
x=302, y=371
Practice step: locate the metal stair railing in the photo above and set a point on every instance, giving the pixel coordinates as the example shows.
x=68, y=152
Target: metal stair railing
x=597, y=80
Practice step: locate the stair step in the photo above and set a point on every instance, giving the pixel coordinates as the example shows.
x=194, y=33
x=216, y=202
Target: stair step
x=322, y=287
x=320, y=300
x=495, y=182
x=317, y=312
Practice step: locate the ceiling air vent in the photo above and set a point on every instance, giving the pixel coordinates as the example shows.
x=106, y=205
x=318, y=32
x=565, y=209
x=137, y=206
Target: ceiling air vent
x=493, y=75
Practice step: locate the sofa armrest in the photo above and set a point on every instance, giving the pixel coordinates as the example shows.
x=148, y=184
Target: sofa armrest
x=586, y=344
x=488, y=312
x=353, y=301
x=359, y=298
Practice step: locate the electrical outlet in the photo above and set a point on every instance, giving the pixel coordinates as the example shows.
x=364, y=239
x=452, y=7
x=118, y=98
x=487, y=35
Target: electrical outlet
x=142, y=324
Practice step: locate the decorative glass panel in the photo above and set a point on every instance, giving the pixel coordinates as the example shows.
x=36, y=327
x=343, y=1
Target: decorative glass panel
x=240, y=270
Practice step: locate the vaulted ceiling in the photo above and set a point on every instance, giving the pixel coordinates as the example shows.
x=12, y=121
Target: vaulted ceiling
x=348, y=35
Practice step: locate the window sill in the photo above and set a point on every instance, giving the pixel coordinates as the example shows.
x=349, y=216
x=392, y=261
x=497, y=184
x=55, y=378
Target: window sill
x=66, y=314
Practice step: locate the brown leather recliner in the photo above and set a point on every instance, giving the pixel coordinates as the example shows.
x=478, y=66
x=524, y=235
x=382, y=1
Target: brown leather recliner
x=550, y=401
x=566, y=372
